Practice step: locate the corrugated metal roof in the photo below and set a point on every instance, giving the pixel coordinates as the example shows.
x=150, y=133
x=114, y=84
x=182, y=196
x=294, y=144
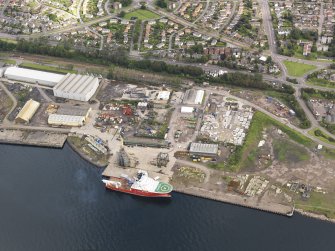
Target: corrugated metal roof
x=28, y=110
x=62, y=119
x=199, y=96
x=204, y=148
x=74, y=83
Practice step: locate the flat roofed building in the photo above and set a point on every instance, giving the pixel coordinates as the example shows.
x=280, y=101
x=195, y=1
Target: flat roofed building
x=27, y=111
x=186, y=109
x=33, y=76
x=163, y=95
x=74, y=111
x=77, y=87
x=204, y=149
x=145, y=142
x=66, y=120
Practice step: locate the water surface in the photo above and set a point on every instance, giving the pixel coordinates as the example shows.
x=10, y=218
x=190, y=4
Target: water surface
x=51, y=199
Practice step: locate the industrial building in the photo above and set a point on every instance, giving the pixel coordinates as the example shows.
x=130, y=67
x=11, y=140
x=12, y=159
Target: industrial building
x=163, y=97
x=27, y=111
x=199, y=97
x=66, y=120
x=74, y=110
x=69, y=116
x=193, y=97
x=77, y=87
x=201, y=149
x=33, y=76
x=186, y=109
x=145, y=142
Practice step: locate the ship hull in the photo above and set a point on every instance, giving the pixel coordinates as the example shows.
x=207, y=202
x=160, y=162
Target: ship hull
x=138, y=192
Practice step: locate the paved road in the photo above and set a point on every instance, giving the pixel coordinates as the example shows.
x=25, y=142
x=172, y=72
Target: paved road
x=107, y=7
x=232, y=15
x=279, y=59
x=185, y=23
x=203, y=11
x=282, y=120
x=170, y=40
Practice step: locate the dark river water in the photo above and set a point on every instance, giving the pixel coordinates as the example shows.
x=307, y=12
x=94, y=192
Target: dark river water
x=51, y=199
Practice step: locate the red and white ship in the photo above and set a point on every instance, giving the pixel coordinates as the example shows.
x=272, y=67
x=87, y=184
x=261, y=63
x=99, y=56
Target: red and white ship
x=142, y=185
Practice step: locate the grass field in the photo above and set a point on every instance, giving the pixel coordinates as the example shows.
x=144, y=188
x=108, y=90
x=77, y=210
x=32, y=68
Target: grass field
x=328, y=153
x=246, y=154
x=46, y=68
x=321, y=82
x=284, y=150
x=8, y=40
x=141, y=15
x=322, y=137
x=8, y=61
x=298, y=69
x=318, y=203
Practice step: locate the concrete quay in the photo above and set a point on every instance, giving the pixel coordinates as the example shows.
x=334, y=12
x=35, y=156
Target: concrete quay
x=32, y=138
x=275, y=208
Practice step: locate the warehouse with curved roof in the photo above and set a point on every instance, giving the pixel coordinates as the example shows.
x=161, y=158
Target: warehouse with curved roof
x=77, y=87
x=33, y=76
x=27, y=111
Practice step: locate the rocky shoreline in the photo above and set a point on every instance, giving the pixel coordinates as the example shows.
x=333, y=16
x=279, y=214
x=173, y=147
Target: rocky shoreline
x=314, y=215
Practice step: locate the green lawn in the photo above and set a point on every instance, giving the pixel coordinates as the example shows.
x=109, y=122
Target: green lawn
x=298, y=69
x=8, y=40
x=321, y=82
x=141, y=15
x=46, y=68
x=322, y=137
x=8, y=61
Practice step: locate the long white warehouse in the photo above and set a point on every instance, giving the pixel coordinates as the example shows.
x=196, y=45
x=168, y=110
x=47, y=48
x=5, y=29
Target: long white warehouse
x=199, y=97
x=33, y=76
x=77, y=87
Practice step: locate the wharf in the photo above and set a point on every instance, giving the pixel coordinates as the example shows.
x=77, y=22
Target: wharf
x=33, y=138
x=275, y=208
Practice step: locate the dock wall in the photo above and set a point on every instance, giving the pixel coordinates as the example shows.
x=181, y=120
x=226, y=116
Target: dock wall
x=33, y=138
x=236, y=200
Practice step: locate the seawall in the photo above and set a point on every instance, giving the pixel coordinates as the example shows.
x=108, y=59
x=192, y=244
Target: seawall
x=33, y=138
x=237, y=200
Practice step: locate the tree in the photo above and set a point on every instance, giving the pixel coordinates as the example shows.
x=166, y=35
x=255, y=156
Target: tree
x=122, y=14
x=318, y=133
x=161, y=3
x=269, y=60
